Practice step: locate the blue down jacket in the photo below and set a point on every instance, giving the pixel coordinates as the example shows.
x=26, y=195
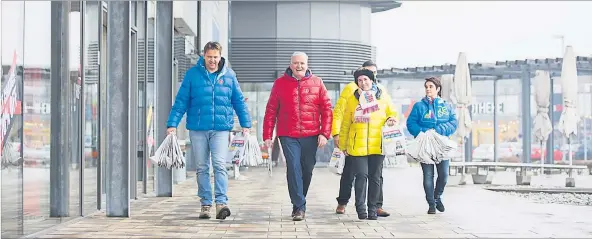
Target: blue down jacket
x=438, y=115
x=209, y=100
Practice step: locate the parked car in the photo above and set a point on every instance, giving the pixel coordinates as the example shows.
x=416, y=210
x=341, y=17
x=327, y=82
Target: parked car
x=485, y=152
x=535, y=153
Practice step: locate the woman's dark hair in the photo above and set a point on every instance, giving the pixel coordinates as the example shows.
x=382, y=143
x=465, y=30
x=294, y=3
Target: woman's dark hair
x=436, y=82
x=369, y=63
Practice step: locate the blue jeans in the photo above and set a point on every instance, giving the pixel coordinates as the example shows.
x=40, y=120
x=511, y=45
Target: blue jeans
x=434, y=194
x=204, y=143
x=300, y=156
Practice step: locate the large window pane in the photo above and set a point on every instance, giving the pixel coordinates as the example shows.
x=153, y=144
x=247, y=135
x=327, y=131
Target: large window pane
x=13, y=17
x=91, y=106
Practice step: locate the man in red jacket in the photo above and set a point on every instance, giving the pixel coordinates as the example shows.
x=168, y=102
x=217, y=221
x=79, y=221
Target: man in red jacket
x=300, y=105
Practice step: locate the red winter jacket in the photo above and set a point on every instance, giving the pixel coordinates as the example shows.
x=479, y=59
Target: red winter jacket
x=302, y=107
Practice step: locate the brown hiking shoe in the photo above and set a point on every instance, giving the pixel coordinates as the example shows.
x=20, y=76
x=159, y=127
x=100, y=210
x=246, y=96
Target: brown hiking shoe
x=382, y=213
x=222, y=211
x=205, y=212
x=340, y=209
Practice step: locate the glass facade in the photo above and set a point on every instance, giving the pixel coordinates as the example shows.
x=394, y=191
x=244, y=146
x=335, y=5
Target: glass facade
x=405, y=92
x=26, y=76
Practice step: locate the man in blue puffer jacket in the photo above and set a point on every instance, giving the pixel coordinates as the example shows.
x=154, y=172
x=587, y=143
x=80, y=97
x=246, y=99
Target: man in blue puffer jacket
x=209, y=94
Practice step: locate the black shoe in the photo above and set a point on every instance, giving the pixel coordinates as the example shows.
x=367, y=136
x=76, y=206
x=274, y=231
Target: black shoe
x=440, y=206
x=298, y=216
x=362, y=216
x=432, y=210
x=372, y=216
x=222, y=211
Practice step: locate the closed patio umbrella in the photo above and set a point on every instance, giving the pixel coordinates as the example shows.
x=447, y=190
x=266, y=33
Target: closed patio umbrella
x=462, y=99
x=542, y=124
x=568, y=122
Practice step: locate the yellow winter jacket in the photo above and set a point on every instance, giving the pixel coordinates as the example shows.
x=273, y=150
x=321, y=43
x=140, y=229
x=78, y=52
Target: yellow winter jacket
x=340, y=105
x=362, y=139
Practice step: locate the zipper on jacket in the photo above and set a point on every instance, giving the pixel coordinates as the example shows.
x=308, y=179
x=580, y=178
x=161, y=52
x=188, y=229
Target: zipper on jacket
x=213, y=106
x=354, y=144
x=299, y=125
x=368, y=137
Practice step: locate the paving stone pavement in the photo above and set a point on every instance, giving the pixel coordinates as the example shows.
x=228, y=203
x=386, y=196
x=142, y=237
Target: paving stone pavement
x=261, y=209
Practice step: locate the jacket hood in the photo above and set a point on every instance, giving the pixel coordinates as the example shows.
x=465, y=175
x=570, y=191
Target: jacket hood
x=221, y=65
x=289, y=73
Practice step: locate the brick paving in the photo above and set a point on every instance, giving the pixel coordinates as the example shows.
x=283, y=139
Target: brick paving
x=261, y=209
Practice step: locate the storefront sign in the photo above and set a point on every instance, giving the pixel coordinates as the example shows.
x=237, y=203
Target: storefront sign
x=487, y=108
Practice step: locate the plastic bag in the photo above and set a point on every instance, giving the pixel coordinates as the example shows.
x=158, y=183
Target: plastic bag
x=169, y=153
x=337, y=161
x=236, y=150
x=431, y=148
x=393, y=141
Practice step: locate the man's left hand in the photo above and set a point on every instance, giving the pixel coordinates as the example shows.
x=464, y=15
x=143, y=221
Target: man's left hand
x=246, y=131
x=322, y=141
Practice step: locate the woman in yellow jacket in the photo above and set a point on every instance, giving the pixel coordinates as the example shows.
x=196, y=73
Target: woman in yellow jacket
x=367, y=110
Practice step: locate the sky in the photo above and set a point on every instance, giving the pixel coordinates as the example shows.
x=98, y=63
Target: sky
x=425, y=33
x=419, y=33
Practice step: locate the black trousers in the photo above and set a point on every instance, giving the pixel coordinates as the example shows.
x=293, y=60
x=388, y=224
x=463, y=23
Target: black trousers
x=367, y=171
x=346, y=183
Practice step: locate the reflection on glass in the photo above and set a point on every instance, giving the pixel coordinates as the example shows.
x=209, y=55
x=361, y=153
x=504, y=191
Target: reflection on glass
x=74, y=94
x=150, y=143
x=11, y=134
x=91, y=105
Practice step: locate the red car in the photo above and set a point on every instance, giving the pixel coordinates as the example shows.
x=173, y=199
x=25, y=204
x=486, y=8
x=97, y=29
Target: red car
x=535, y=153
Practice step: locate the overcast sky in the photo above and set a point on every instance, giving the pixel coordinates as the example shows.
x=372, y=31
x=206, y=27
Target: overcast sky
x=421, y=33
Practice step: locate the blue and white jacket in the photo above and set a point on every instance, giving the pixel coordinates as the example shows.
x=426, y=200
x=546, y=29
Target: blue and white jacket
x=438, y=115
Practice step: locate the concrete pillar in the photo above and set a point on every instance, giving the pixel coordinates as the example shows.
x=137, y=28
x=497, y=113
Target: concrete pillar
x=526, y=119
x=61, y=117
x=163, y=64
x=550, y=140
x=118, y=88
x=495, y=122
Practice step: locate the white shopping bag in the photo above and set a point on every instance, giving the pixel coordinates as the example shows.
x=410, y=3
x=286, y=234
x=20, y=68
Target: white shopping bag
x=169, y=153
x=337, y=161
x=393, y=141
x=431, y=148
x=236, y=150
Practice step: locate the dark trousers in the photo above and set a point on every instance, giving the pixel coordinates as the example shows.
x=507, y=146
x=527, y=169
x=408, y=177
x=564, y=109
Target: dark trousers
x=434, y=194
x=367, y=171
x=346, y=182
x=300, y=156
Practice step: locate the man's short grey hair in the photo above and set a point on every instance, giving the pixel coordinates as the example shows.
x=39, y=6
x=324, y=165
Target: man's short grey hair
x=299, y=53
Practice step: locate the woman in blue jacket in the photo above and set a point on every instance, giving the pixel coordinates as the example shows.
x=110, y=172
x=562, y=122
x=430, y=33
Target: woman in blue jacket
x=432, y=112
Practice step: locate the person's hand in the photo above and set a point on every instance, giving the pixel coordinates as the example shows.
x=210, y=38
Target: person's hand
x=171, y=130
x=391, y=121
x=246, y=131
x=322, y=141
x=269, y=143
x=336, y=140
x=345, y=153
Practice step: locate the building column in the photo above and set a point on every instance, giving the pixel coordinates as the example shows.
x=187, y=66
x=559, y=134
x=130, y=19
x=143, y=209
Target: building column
x=163, y=64
x=495, y=121
x=551, y=139
x=526, y=117
x=61, y=116
x=118, y=110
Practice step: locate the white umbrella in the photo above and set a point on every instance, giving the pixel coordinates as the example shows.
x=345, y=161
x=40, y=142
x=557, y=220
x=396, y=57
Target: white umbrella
x=447, y=90
x=542, y=123
x=462, y=99
x=568, y=123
